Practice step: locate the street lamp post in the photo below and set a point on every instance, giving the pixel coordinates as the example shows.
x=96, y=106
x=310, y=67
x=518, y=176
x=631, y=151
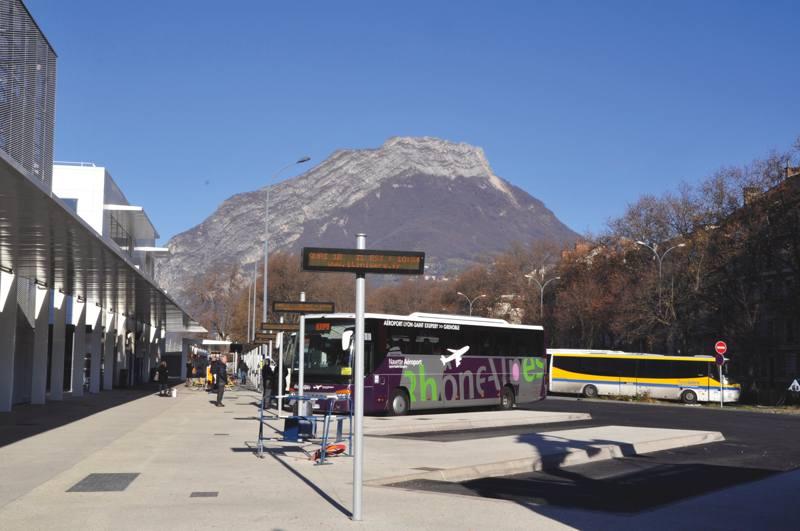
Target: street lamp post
x=660, y=260
x=266, y=229
x=470, y=301
x=542, y=285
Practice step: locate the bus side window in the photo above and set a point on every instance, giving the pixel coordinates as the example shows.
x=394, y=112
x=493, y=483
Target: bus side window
x=399, y=341
x=689, y=369
x=427, y=343
x=486, y=340
x=503, y=344
x=378, y=333
x=655, y=369
x=525, y=343
x=568, y=363
x=475, y=339
x=626, y=368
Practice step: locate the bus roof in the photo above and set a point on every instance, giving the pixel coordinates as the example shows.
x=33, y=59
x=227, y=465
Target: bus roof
x=431, y=318
x=621, y=354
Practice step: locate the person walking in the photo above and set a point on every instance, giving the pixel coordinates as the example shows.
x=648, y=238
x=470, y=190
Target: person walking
x=163, y=376
x=222, y=379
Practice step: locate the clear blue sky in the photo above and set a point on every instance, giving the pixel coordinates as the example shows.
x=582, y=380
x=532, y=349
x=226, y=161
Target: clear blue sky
x=586, y=105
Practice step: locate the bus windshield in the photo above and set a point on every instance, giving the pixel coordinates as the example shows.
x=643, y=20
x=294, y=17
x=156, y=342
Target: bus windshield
x=324, y=354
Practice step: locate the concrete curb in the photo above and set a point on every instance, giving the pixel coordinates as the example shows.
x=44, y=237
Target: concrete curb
x=460, y=425
x=571, y=457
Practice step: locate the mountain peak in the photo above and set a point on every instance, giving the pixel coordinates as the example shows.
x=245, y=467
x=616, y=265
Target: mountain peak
x=437, y=156
x=410, y=193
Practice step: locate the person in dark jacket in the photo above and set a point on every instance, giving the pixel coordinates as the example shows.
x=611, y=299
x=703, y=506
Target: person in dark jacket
x=267, y=380
x=242, y=368
x=163, y=377
x=222, y=379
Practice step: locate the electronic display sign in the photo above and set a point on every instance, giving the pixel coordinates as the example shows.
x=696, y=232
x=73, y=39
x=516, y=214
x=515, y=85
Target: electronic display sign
x=280, y=327
x=302, y=307
x=363, y=261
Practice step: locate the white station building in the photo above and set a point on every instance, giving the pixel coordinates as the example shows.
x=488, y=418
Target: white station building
x=79, y=309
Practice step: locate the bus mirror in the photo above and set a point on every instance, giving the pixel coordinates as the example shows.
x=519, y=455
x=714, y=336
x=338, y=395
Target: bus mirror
x=346, y=337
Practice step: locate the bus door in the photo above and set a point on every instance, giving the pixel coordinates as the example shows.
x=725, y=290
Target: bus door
x=627, y=376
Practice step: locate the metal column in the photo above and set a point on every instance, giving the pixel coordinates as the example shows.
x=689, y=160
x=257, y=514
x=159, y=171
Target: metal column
x=8, y=336
x=108, y=350
x=94, y=316
x=58, y=343
x=78, y=345
x=41, y=311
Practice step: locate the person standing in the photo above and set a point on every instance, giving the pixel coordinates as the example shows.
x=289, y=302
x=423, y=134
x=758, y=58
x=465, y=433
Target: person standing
x=189, y=369
x=267, y=375
x=242, y=372
x=163, y=376
x=209, y=377
x=222, y=379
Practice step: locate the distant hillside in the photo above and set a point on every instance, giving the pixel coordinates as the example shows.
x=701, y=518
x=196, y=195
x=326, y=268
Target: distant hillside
x=411, y=193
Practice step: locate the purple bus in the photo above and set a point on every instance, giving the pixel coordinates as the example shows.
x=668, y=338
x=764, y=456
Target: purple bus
x=425, y=361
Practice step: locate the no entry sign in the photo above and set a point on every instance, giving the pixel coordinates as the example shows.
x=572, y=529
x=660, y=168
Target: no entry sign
x=720, y=347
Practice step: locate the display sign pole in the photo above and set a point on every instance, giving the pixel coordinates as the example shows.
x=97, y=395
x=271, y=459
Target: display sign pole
x=280, y=378
x=720, y=387
x=359, y=261
x=301, y=340
x=358, y=377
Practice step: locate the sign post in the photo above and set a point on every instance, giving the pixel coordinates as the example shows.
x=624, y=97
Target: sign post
x=301, y=347
x=720, y=348
x=280, y=379
x=360, y=261
x=358, y=377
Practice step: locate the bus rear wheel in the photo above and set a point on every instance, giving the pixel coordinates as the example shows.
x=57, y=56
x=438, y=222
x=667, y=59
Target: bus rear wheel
x=689, y=397
x=590, y=391
x=398, y=405
x=507, y=398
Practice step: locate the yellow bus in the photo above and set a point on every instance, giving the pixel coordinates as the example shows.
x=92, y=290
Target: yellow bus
x=607, y=372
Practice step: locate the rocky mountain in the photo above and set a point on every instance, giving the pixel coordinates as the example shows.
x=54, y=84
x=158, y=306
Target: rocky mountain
x=411, y=193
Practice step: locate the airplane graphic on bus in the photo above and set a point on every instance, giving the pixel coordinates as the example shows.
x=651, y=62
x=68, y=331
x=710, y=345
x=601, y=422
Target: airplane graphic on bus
x=455, y=355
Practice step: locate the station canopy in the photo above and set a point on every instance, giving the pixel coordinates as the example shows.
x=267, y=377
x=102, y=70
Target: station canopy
x=42, y=239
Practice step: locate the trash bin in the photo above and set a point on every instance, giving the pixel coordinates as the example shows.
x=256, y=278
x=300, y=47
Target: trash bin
x=297, y=428
x=123, y=378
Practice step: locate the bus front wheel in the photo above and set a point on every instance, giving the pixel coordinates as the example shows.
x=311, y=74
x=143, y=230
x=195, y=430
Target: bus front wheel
x=398, y=405
x=689, y=397
x=590, y=391
x=507, y=398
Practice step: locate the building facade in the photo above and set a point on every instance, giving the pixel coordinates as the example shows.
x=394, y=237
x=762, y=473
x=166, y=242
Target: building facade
x=92, y=193
x=27, y=91
x=79, y=309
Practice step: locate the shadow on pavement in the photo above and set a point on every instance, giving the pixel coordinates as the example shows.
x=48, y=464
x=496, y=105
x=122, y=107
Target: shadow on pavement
x=26, y=420
x=275, y=453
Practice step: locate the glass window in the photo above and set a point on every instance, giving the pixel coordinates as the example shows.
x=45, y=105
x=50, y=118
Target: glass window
x=655, y=369
x=689, y=369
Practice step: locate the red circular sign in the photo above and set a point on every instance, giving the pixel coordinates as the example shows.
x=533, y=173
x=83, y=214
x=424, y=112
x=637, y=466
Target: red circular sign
x=720, y=347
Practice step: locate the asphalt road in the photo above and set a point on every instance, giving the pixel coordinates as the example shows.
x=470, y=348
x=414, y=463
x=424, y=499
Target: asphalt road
x=757, y=446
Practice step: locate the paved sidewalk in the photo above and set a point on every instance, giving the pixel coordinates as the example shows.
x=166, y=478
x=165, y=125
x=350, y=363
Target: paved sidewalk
x=186, y=445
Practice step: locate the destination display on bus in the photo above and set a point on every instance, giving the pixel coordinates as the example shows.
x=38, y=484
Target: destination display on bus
x=363, y=261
